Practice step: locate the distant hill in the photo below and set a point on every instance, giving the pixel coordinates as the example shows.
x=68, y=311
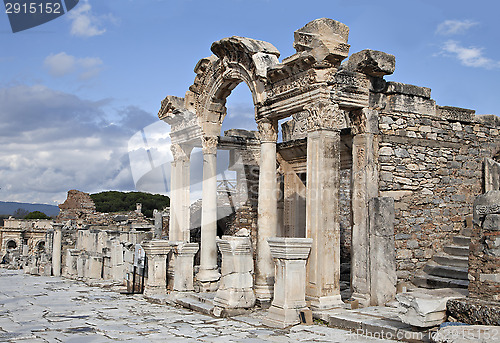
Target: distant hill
x=8, y=208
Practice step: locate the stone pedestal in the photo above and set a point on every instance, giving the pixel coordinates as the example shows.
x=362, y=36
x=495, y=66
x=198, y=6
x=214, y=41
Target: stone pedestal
x=236, y=286
x=184, y=263
x=56, y=250
x=71, y=262
x=156, y=253
x=208, y=275
x=267, y=211
x=290, y=256
x=94, y=267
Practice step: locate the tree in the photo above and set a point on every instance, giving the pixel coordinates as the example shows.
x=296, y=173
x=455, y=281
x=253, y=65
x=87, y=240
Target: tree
x=20, y=213
x=114, y=201
x=36, y=215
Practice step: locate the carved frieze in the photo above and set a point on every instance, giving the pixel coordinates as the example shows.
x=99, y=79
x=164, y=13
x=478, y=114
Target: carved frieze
x=350, y=89
x=324, y=114
x=296, y=128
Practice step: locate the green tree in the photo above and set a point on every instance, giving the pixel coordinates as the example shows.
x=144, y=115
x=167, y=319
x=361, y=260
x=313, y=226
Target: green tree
x=36, y=215
x=114, y=201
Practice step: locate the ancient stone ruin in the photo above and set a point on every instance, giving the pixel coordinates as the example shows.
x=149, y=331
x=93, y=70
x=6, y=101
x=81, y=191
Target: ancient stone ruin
x=370, y=192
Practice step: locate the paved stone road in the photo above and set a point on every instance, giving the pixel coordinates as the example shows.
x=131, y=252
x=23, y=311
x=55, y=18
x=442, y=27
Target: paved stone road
x=44, y=309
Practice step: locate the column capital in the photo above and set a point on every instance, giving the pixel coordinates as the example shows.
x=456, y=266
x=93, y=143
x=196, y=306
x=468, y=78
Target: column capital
x=181, y=152
x=209, y=144
x=268, y=130
x=325, y=115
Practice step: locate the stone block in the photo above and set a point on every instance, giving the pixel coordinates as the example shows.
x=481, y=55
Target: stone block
x=324, y=38
x=372, y=62
x=456, y=113
x=406, y=89
x=426, y=307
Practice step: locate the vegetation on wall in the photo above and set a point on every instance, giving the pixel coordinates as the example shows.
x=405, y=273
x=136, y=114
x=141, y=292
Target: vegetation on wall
x=114, y=201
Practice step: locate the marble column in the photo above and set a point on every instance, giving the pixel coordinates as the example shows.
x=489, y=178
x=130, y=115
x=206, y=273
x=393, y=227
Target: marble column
x=236, y=287
x=156, y=253
x=322, y=204
x=184, y=265
x=208, y=275
x=267, y=211
x=56, y=250
x=364, y=187
x=290, y=256
x=179, y=229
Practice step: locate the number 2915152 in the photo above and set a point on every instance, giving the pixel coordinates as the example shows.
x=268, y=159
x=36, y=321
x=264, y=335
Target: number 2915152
x=33, y=8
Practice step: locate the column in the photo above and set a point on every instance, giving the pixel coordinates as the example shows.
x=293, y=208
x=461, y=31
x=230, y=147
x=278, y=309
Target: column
x=364, y=185
x=179, y=229
x=267, y=210
x=156, y=253
x=56, y=250
x=184, y=265
x=290, y=256
x=322, y=204
x=208, y=275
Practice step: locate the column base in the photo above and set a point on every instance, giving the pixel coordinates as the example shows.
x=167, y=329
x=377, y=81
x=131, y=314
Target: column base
x=281, y=317
x=363, y=299
x=264, y=294
x=325, y=303
x=207, y=280
x=235, y=298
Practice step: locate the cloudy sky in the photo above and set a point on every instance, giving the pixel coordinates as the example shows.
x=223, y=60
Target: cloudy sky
x=79, y=95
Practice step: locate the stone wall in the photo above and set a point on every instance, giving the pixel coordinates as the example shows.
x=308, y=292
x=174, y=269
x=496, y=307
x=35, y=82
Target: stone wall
x=431, y=164
x=345, y=214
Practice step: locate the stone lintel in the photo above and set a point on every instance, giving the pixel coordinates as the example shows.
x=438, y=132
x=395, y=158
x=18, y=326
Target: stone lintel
x=489, y=120
x=407, y=89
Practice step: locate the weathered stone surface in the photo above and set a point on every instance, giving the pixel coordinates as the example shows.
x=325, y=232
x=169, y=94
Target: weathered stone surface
x=491, y=175
x=474, y=311
x=426, y=308
x=456, y=113
x=466, y=333
x=324, y=38
x=382, y=251
x=406, y=89
x=372, y=62
x=290, y=255
x=490, y=120
x=236, y=286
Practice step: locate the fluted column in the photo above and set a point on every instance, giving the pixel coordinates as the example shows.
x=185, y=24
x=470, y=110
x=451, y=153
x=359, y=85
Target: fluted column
x=179, y=195
x=208, y=274
x=267, y=211
x=322, y=203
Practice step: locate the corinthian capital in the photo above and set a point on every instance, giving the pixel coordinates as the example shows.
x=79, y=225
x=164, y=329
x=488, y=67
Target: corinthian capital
x=181, y=152
x=325, y=115
x=268, y=130
x=209, y=144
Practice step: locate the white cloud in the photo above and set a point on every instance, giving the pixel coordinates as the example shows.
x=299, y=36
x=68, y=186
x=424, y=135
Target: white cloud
x=469, y=56
x=62, y=64
x=454, y=27
x=84, y=23
x=54, y=141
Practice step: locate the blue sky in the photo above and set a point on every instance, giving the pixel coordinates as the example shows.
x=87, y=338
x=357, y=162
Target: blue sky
x=75, y=91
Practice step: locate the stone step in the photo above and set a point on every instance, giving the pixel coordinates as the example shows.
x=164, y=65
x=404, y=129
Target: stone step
x=380, y=322
x=456, y=250
x=452, y=272
x=195, y=304
x=451, y=260
x=422, y=279
x=463, y=241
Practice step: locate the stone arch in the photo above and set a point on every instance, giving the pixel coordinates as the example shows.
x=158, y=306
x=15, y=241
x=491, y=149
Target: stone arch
x=235, y=60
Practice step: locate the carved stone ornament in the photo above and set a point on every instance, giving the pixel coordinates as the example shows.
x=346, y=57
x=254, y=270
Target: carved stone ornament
x=180, y=153
x=267, y=131
x=209, y=144
x=325, y=115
